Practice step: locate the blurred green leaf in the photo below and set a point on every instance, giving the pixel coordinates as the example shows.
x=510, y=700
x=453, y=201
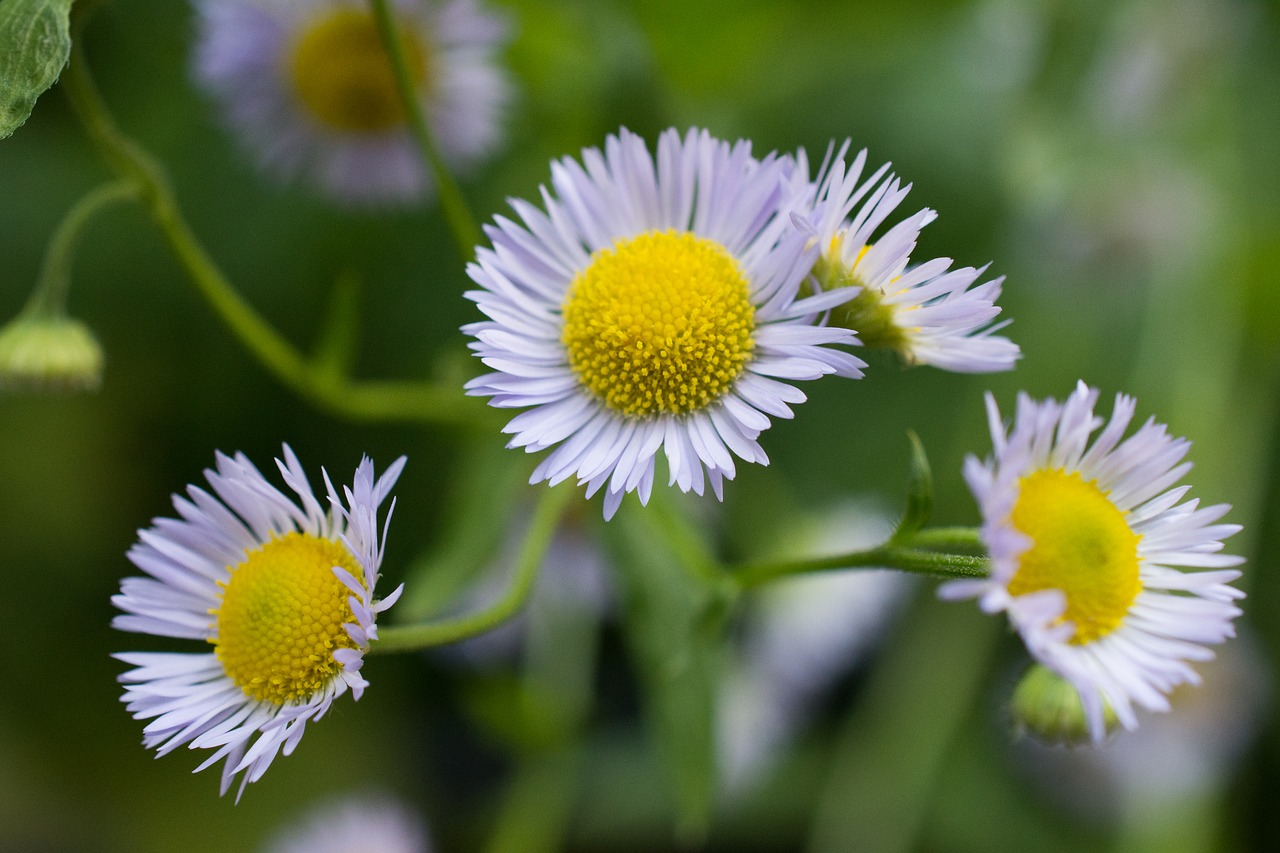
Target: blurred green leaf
x=673, y=641
x=35, y=41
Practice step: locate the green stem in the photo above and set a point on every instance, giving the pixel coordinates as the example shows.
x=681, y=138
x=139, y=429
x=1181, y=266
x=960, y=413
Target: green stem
x=456, y=211
x=409, y=638
x=430, y=402
x=964, y=539
x=50, y=295
x=907, y=559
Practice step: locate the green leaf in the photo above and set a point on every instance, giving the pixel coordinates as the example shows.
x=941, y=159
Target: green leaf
x=919, y=494
x=35, y=41
x=674, y=635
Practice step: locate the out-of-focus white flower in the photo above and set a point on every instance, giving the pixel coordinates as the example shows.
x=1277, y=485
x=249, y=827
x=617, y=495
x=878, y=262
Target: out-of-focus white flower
x=308, y=86
x=354, y=824
x=798, y=637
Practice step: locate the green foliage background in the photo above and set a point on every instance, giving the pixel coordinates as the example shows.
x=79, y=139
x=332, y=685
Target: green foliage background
x=1115, y=160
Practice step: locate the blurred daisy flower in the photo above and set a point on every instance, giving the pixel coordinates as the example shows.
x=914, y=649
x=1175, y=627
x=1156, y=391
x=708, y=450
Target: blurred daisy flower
x=928, y=313
x=282, y=588
x=309, y=88
x=654, y=305
x=376, y=824
x=1085, y=540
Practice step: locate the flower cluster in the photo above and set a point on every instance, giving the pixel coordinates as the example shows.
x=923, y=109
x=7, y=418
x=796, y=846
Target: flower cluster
x=661, y=306
x=668, y=302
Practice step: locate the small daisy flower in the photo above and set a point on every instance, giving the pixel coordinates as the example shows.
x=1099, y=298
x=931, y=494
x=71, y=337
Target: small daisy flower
x=928, y=313
x=309, y=87
x=1086, y=544
x=653, y=306
x=282, y=588
x=375, y=823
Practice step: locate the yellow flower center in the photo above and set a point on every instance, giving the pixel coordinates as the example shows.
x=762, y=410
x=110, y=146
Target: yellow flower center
x=343, y=77
x=281, y=617
x=1082, y=545
x=659, y=323
x=875, y=321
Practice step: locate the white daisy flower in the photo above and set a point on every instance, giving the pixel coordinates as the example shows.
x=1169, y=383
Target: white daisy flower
x=928, y=313
x=283, y=591
x=1085, y=543
x=652, y=306
x=308, y=86
x=375, y=823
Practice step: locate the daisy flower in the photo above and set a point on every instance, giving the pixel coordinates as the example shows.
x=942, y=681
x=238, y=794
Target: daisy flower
x=282, y=588
x=653, y=306
x=1086, y=544
x=928, y=313
x=308, y=86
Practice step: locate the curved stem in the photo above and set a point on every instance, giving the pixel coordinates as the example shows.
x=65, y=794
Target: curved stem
x=456, y=211
x=50, y=295
x=912, y=559
x=409, y=638
x=430, y=402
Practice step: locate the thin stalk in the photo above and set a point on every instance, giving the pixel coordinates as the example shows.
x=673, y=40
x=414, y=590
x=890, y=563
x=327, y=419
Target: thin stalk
x=457, y=212
x=50, y=295
x=408, y=638
x=912, y=560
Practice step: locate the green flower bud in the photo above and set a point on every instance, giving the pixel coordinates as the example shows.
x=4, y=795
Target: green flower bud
x=42, y=352
x=1046, y=706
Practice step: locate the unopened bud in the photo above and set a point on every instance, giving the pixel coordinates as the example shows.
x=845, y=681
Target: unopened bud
x=1047, y=706
x=40, y=352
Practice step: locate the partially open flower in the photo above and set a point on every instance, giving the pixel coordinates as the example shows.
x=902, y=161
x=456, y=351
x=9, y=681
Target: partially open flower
x=926, y=312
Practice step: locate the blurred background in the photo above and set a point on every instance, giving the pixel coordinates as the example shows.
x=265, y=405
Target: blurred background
x=1115, y=159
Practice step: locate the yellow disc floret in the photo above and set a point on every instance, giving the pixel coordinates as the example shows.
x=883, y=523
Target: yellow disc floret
x=868, y=314
x=281, y=617
x=1081, y=545
x=659, y=323
x=343, y=76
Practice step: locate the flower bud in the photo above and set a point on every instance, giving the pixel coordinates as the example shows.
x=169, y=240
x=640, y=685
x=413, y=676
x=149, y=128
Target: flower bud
x=1046, y=706
x=41, y=352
